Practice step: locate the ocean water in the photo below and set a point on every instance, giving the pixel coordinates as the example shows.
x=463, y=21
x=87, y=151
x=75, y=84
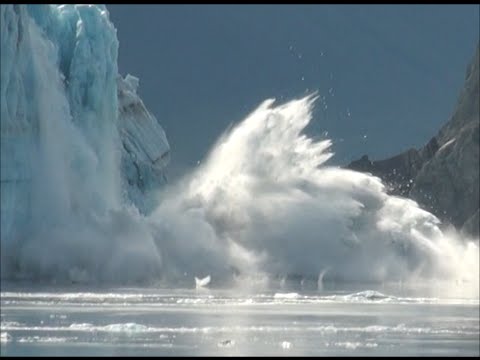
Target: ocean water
x=291, y=321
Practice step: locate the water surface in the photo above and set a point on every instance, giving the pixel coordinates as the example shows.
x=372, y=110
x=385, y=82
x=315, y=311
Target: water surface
x=146, y=321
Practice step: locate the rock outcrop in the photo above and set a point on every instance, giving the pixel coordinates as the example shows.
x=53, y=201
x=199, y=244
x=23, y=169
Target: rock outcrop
x=442, y=176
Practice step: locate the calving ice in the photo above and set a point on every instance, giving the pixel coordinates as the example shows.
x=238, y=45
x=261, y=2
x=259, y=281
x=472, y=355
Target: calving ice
x=82, y=158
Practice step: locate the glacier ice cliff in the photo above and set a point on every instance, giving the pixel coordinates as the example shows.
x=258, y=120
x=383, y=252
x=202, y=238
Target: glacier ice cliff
x=75, y=137
x=145, y=150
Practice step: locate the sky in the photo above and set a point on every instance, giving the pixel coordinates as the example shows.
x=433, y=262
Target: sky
x=389, y=75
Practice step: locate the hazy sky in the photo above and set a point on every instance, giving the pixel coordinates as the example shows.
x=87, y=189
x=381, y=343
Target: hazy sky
x=390, y=72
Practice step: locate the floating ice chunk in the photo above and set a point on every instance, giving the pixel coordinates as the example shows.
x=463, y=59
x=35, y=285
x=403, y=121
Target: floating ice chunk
x=286, y=296
x=127, y=327
x=199, y=283
x=370, y=295
x=354, y=345
x=5, y=337
x=226, y=343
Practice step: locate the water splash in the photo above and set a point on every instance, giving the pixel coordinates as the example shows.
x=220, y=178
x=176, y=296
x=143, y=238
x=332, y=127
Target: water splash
x=265, y=201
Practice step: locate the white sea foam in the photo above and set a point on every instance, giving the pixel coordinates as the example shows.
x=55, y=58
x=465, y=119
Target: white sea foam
x=352, y=345
x=45, y=339
x=286, y=296
x=159, y=300
x=134, y=328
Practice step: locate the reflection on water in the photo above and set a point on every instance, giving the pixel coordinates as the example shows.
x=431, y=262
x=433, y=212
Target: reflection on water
x=290, y=321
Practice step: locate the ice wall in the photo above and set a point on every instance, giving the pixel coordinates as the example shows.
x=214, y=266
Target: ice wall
x=145, y=150
x=19, y=127
x=64, y=132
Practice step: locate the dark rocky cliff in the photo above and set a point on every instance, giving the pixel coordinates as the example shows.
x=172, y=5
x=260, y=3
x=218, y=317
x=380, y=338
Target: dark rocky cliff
x=442, y=176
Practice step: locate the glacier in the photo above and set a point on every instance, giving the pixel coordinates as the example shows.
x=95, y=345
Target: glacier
x=76, y=140
x=145, y=149
x=84, y=196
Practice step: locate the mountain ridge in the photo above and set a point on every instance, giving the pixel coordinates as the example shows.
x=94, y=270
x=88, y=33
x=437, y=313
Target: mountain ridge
x=443, y=175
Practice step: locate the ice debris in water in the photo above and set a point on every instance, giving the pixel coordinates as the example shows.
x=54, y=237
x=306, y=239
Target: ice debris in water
x=226, y=343
x=5, y=337
x=199, y=283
